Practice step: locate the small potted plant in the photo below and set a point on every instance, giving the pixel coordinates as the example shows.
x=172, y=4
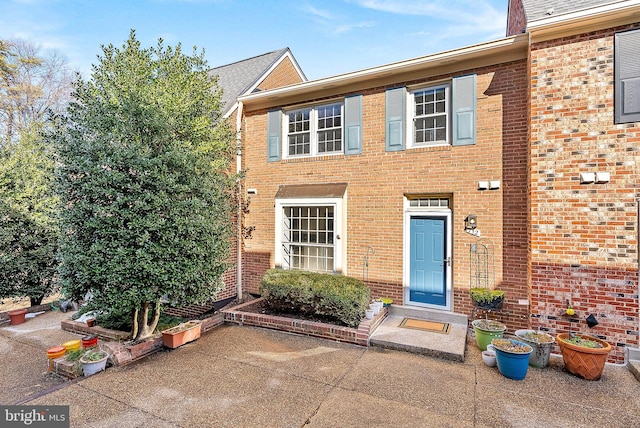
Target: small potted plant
x=486, y=330
x=93, y=361
x=541, y=343
x=182, y=333
x=512, y=357
x=583, y=355
x=486, y=298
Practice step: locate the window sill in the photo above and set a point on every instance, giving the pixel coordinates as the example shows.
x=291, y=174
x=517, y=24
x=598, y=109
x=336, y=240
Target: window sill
x=314, y=158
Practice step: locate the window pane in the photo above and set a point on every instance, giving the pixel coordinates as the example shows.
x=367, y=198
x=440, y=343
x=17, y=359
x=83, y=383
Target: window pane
x=329, y=128
x=299, y=137
x=311, y=246
x=430, y=122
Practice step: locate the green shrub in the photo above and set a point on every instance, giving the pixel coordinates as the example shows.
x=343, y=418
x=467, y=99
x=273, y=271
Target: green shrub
x=293, y=291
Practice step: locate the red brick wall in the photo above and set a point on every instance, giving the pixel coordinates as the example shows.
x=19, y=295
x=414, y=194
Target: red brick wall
x=583, y=236
x=517, y=19
x=378, y=180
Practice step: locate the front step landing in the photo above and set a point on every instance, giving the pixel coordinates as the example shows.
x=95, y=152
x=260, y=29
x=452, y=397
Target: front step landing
x=449, y=346
x=633, y=361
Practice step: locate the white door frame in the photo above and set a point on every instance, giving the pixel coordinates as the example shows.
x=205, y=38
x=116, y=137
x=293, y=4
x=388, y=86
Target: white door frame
x=410, y=212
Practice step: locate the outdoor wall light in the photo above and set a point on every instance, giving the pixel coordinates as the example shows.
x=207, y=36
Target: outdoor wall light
x=471, y=222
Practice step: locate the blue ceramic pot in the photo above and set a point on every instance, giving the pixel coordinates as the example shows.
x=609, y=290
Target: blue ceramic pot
x=512, y=365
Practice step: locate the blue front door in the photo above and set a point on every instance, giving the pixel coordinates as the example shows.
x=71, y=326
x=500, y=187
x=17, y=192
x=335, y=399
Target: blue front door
x=427, y=278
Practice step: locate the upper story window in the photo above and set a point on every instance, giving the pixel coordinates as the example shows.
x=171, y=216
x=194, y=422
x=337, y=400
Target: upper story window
x=430, y=109
x=437, y=115
x=314, y=130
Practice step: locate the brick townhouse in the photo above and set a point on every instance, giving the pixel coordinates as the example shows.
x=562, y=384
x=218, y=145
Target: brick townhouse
x=512, y=164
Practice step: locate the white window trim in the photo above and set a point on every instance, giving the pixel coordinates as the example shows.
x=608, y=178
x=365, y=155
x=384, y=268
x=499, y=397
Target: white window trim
x=410, y=212
x=313, y=130
x=340, y=231
x=410, y=109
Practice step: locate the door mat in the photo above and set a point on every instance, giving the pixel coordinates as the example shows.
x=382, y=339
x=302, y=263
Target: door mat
x=432, y=326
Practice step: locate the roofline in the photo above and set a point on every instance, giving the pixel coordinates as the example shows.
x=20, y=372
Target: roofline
x=479, y=55
x=249, y=89
x=587, y=20
x=287, y=54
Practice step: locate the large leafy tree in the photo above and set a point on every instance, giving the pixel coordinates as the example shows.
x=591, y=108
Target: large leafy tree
x=32, y=83
x=28, y=226
x=144, y=183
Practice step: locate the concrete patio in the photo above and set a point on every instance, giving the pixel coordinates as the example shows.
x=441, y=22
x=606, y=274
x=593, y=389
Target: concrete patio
x=246, y=376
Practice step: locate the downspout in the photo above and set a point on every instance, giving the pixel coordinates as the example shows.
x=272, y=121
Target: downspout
x=240, y=199
x=638, y=259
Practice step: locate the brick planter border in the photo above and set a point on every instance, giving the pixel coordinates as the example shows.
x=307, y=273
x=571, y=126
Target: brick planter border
x=120, y=353
x=358, y=336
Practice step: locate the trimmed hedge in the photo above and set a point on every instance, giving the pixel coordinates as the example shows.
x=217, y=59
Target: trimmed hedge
x=294, y=291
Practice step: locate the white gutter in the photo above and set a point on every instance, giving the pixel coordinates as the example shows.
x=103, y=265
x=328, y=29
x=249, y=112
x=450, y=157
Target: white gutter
x=591, y=19
x=239, y=213
x=487, y=53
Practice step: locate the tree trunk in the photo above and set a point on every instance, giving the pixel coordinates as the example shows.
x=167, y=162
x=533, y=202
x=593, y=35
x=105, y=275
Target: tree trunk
x=134, y=330
x=145, y=329
x=36, y=300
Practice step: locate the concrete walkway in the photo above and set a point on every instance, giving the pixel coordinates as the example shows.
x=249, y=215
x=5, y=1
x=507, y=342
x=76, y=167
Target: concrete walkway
x=250, y=377
x=23, y=356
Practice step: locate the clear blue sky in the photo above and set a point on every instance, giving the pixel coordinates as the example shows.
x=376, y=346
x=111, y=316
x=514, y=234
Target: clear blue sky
x=327, y=37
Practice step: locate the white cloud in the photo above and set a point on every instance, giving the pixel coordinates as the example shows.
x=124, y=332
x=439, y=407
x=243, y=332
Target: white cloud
x=347, y=28
x=333, y=24
x=479, y=13
x=317, y=13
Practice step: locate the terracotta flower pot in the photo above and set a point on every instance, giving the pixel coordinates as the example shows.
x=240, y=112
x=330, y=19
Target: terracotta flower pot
x=17, y=316
x=587, y=363
x=181, y=334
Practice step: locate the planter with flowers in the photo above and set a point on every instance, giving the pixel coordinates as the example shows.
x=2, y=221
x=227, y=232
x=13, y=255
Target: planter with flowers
x=487, y=299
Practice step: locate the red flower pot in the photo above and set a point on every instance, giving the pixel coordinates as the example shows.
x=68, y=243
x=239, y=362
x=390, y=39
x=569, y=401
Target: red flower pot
x=89, y=341
x=17, y=316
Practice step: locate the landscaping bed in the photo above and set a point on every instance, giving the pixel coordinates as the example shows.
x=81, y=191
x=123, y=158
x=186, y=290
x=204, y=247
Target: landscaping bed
x=253, y=313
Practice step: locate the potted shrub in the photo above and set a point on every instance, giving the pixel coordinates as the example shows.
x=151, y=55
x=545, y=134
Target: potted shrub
x=93, y=361
x=486, y=298
x=486, y=330
x=583, y=355
x=541, y=343
x=512, y=357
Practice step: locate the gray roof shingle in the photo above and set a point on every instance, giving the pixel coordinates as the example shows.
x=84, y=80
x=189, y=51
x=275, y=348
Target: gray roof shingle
x=538, y=9
x=236, y=78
